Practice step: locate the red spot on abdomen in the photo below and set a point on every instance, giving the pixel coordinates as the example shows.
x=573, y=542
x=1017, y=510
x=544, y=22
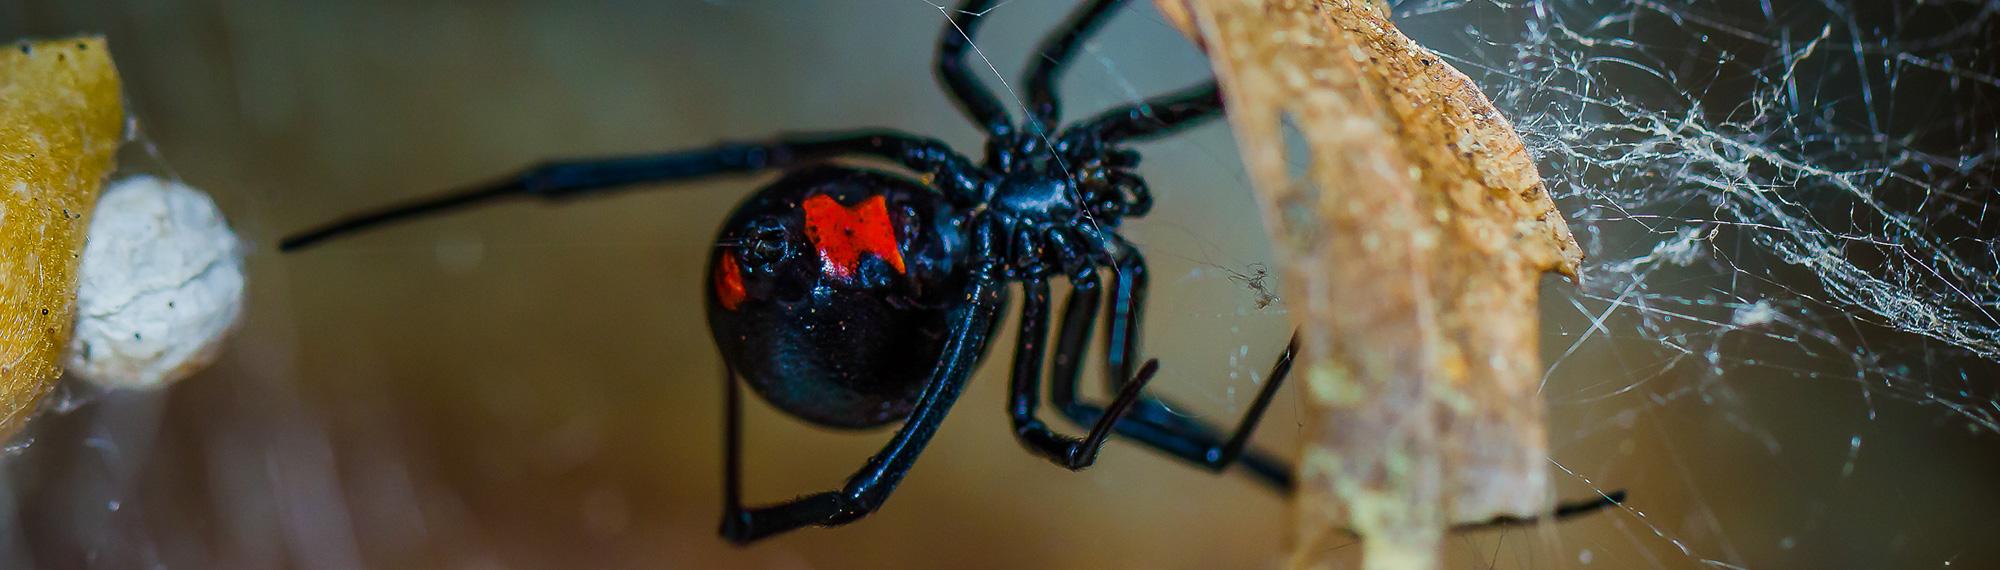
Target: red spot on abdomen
x=729, y=281
x=843, y=233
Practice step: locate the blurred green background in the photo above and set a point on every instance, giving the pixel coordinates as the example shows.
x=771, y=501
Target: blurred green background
x=528, y=386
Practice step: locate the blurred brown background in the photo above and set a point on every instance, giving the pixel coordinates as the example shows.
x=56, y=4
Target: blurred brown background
x=526, y=386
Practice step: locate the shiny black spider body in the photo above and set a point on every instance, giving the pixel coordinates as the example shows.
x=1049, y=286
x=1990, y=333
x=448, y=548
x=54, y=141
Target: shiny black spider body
x=854, y=298
x=822, y=326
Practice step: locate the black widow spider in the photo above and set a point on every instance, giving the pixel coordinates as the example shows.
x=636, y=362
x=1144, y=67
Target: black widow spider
x=852, y=298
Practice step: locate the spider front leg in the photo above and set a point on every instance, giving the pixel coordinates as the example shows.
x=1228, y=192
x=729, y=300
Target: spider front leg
x=869, y=487
x=972, y=98
x=1056, y=52
x=568, y=179
x=1068, y=452
x=1149, y=119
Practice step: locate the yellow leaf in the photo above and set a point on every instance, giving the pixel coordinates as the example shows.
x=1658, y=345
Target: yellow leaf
x=61, y=120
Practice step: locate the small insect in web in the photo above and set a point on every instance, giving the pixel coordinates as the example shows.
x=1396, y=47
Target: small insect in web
x=855, y=298
x=1257, y=278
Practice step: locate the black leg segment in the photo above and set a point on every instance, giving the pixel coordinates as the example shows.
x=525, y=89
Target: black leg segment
x=972, y=97
x=869, y=487
x=1152, y=421
x=1151, y=119
x=1563, y=511
x=1055, y=53
x=954, y=174
x=1068, y=452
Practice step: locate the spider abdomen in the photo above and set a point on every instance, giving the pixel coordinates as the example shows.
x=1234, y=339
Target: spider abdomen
x=829, y=292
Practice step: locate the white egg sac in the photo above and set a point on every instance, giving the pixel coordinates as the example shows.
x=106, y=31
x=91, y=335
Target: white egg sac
x=161, y=285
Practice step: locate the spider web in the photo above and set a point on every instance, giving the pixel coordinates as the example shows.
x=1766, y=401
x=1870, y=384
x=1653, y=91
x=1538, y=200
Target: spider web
x=1724, y=148
x=1773, y=195
x=1782, y=199
x=1797, y=190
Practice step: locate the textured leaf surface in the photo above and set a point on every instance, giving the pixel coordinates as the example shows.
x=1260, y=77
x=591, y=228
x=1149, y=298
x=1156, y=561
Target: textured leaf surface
x=1413, y=243
x=61, y=119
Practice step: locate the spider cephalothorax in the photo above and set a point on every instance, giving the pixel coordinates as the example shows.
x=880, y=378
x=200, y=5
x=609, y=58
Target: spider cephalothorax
x=854, y=298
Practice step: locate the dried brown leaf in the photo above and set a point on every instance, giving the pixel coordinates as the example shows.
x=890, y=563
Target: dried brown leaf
x=1414, y=245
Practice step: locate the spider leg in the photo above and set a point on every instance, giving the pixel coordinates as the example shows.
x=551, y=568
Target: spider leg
x=869, y=487
x=1129, y=282
x=1073, y=339
x=1055, y=53
x=1068, y=452
x=972, y=97
x=955, y=175
x=1564, y=511
x=1150, y=119
x=732, y=444
x=1152, y=421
